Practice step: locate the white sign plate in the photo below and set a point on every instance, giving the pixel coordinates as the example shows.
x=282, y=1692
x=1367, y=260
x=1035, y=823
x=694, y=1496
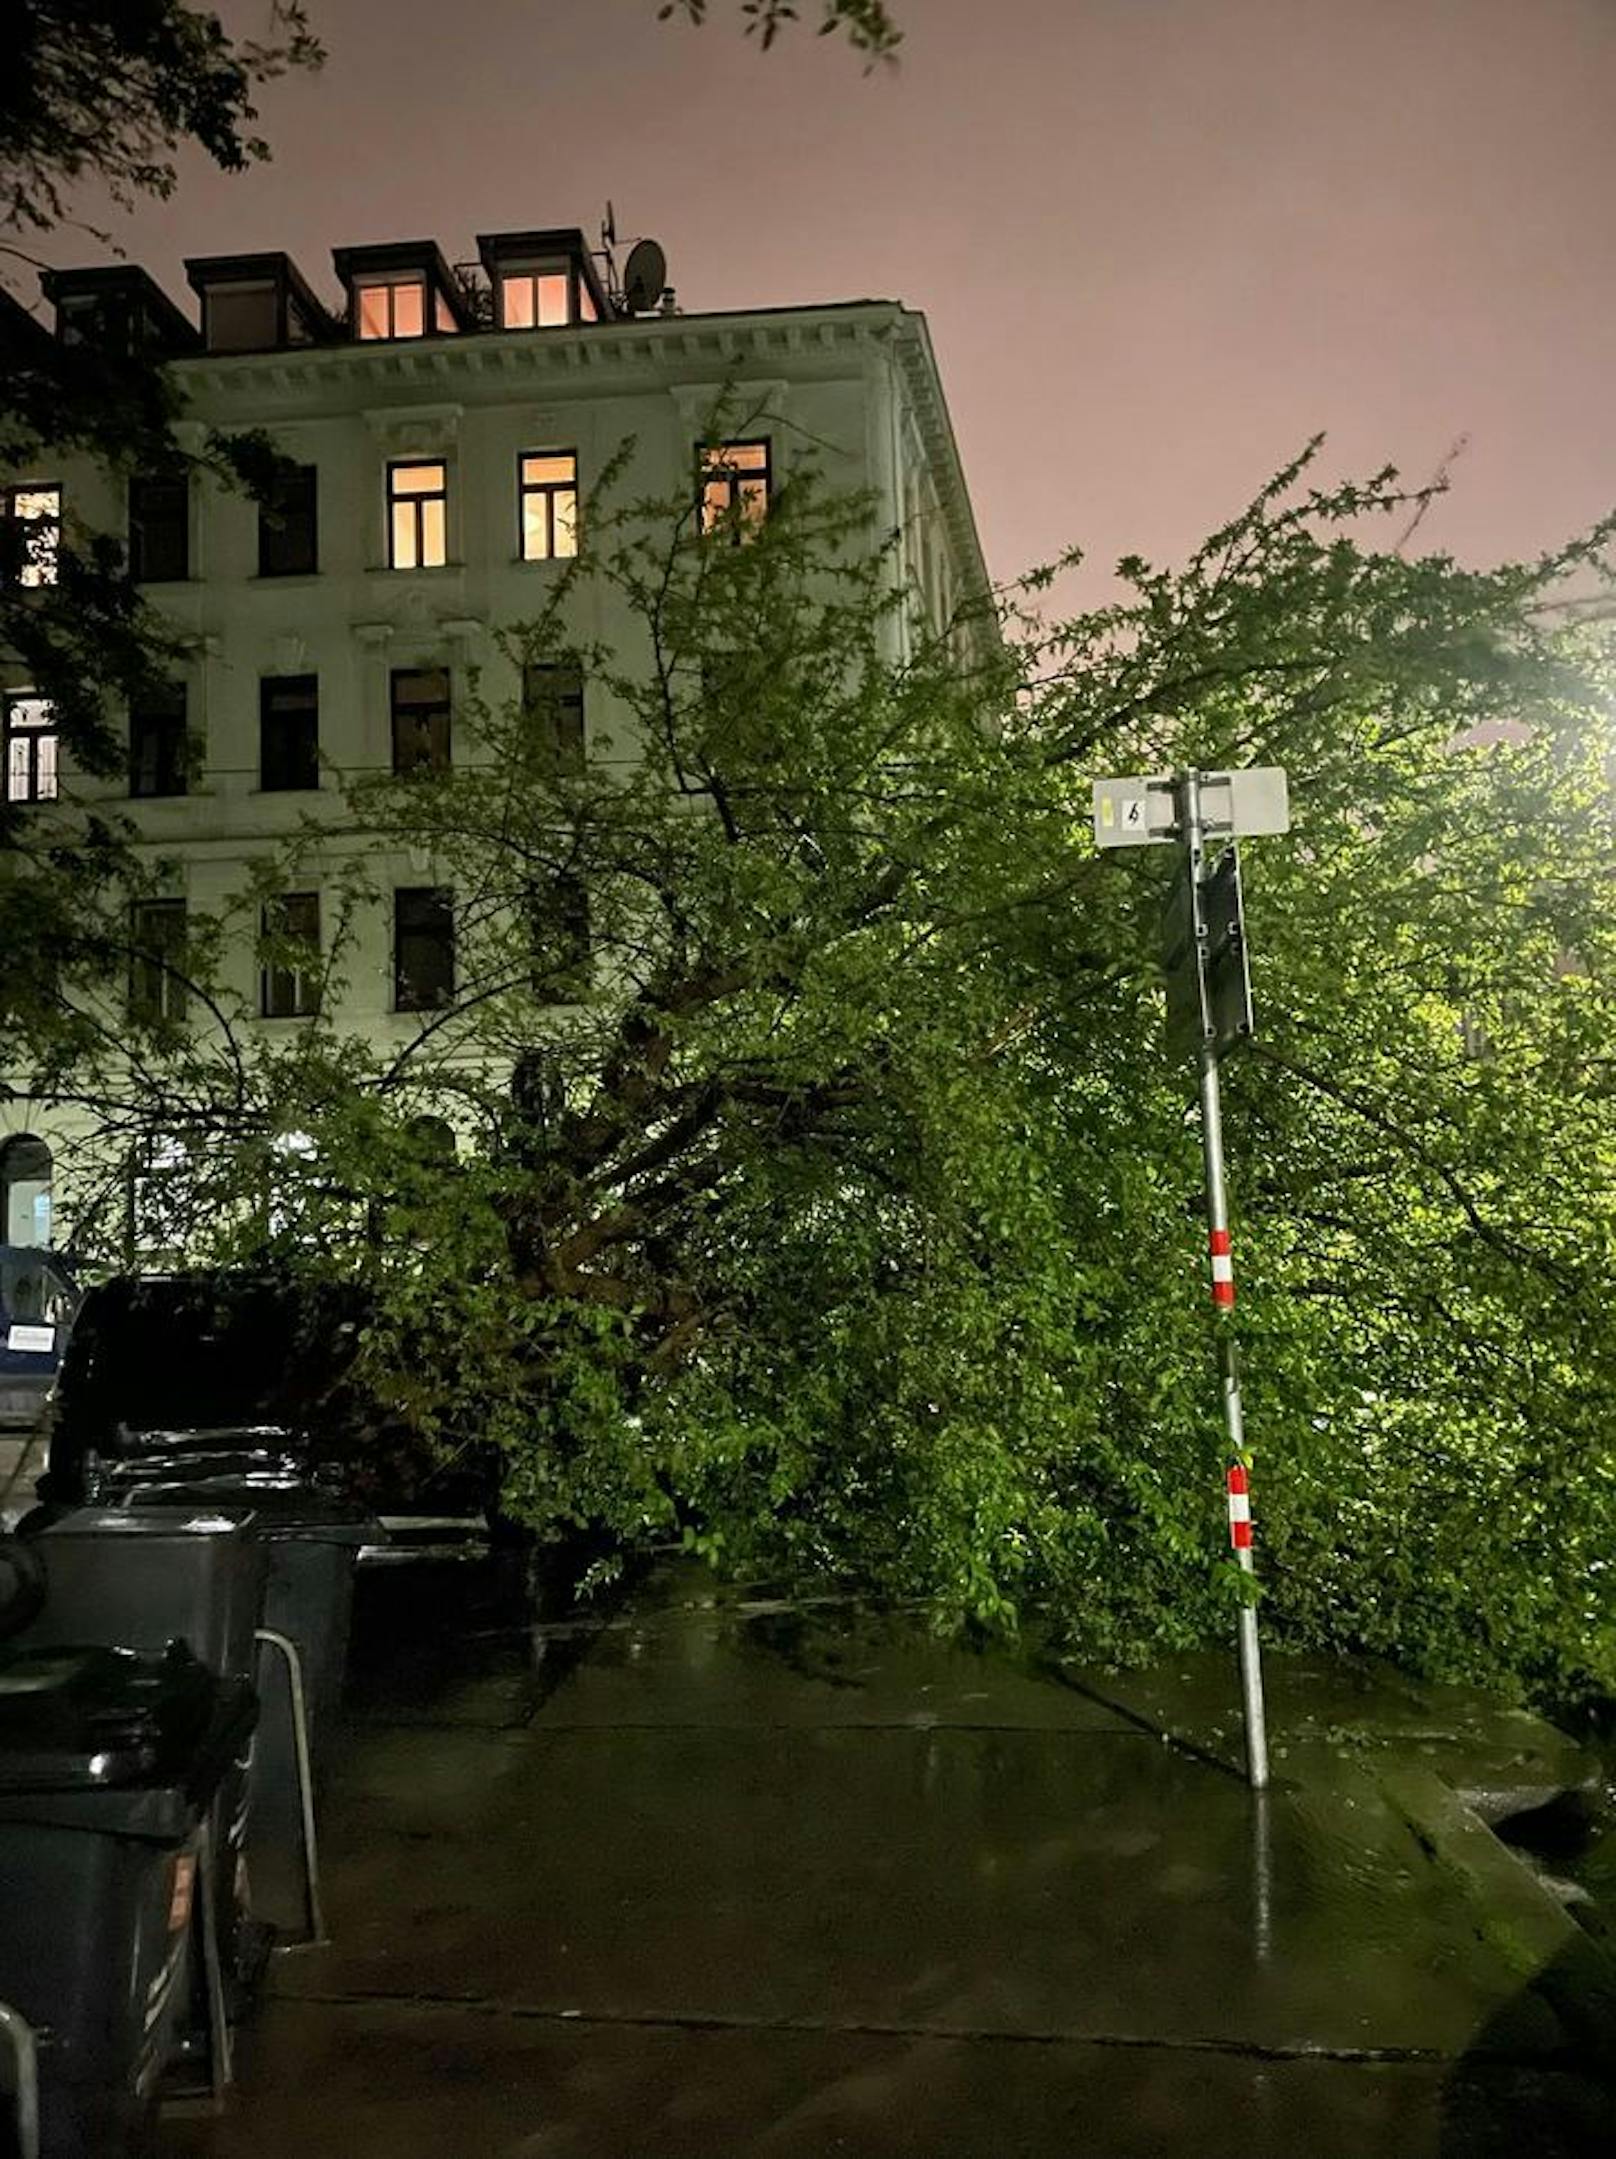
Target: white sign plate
x=1134, y=812
x=33, y=1338
x=1239, y=805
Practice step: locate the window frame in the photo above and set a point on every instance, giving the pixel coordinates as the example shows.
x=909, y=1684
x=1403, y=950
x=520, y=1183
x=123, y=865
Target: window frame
x=439, y=899
x=269, y=686
x=157, y=965
x=152, y=722
x=550, y=493
x=416, y=500
x=559, y=917
x=556, y=703
x=276, y=537
x=34, y=736
x=385, y=282
x=17, y=572
x=712, y=519
x=301, y=997
x=440, y=746
x=142, y=484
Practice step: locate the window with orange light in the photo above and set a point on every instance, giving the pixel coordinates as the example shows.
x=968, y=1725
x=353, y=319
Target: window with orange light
x=735, y=481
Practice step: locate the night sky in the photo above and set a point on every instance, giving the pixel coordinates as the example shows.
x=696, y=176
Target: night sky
x=1159, y=242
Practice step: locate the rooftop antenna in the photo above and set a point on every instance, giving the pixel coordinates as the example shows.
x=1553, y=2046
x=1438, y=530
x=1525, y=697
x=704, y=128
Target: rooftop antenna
x=645, y=278
x=604, y=254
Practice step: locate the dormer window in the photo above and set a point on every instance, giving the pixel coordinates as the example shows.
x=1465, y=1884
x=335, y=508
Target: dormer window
x=534, y=300
x=542, y=280
x=242, y=318
x=395, y=309
x=255, y=303
x=403, y=289
x=543, y=298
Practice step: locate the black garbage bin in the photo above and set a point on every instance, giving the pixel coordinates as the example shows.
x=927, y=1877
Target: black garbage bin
x=112, y=1766
x=194, y=1574
x=311, y=1540
x=140, y=1581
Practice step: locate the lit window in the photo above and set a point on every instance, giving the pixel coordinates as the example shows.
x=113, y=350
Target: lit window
x=423, y=948
x=289, y=980
x=392, y=310
x=417, y=516
x=535, y=299
x=549, y=491
x=157, y=986
x=420, y=704
x=734, y=485
x=30, y=535
x=30, y=749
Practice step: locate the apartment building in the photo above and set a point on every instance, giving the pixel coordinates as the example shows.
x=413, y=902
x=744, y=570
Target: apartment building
x=446, y=425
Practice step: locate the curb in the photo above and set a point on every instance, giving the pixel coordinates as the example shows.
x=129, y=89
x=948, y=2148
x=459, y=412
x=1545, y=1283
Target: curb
x=1570, y=1971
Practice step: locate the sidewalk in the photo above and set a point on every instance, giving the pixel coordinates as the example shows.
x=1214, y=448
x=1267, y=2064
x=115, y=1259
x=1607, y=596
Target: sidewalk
x=759, y=1879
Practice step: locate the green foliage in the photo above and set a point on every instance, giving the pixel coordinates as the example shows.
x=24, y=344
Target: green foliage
x=102, y=94
x=844, y=1221
x=109, y=90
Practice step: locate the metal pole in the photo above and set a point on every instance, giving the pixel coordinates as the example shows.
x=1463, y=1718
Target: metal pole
x=19, y=2034
x=1217, y=1222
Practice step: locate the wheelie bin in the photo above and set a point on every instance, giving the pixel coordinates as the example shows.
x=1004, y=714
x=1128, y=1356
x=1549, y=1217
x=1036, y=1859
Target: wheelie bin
x=140, y=1581
x=111, y=1767
x=311, y=1540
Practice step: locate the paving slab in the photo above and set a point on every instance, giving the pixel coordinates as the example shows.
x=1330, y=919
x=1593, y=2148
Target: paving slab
x=384, y=2081
x=756, y=1878
x=1501, y=1758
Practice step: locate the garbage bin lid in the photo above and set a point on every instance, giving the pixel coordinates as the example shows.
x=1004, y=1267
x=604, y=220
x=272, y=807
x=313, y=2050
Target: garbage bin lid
x=279, y=1507
x=206, y=1519
x=75, y=1718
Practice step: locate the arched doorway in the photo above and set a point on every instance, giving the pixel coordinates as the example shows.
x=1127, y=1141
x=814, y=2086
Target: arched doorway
x=26, y=1172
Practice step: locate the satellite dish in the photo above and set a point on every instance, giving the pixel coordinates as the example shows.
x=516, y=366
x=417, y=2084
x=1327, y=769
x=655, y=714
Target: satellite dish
x=644, y=278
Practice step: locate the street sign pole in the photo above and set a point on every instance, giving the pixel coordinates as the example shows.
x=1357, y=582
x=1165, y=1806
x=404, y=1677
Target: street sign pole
x=1192, y=838
x=1209, y=1011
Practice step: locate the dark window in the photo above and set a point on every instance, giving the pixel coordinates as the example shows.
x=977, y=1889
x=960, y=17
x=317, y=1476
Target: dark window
x=420, y=702
x=30, y=748
x=159, y=528
x=157, y=988
x=244, y=317
x=558, y=922
x=289, y=980
x=735, y=479
x=547, y=483
x=418, y=516
x=159, y=759
x=30, y=534
x=553, y=700
x=288, y=733
x=423, y=948
x=288, y=525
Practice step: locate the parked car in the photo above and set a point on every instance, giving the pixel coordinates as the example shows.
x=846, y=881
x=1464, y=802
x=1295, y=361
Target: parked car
x=37, y=1302
x=225, y=1375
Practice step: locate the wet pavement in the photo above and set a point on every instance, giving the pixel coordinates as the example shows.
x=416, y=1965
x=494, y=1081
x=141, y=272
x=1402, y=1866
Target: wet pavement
x=725, y=1875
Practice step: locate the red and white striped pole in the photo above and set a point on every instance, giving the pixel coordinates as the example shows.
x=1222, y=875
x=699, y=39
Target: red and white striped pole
x=1221, y=1254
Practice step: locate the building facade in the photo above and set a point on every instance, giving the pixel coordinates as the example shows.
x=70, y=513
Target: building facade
x=446, y=431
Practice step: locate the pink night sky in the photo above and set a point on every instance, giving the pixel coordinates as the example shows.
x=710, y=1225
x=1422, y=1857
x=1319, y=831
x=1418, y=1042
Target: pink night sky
x=1159, y=242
